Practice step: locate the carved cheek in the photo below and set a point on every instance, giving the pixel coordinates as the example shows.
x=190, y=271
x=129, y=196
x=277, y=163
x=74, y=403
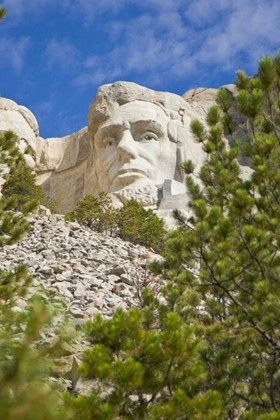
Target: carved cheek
x=149, y=151
x=112, y=166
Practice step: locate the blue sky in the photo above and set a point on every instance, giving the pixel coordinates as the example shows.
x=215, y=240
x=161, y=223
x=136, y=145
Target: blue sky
x=56, y=53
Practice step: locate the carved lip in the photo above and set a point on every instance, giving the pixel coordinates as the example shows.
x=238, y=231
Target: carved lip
x=131, y=171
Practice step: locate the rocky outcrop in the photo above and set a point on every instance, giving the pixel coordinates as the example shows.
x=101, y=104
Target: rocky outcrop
x=64, y=168
x=23, y=123
x=155, y=129
x=81, y=273
x=93, y=272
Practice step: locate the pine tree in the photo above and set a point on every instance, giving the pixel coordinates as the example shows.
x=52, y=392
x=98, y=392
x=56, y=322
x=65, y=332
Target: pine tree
x=145, y=364
x=131, y=222
x=140, y=226
x=21, y=186
x=228, y=254
x=25, y=391
x=94, y=212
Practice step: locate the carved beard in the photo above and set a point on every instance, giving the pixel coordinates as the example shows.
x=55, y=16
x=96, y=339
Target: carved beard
x=145, y=195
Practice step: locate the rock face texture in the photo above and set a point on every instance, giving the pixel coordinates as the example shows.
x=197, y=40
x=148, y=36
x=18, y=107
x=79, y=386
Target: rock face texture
x=81, y=273
x=19, y=119
x=136, y=139
x=24, y=124
x=93, y=272
x=64, y=167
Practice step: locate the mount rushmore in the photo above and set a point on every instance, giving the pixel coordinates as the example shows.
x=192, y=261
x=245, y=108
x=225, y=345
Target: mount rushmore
x=133, y=146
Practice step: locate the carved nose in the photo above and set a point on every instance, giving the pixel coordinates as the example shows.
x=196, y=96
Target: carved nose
x=127, y=146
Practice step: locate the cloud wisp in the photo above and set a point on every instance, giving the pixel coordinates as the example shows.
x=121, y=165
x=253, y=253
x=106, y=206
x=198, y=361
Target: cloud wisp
x=72, y=47
x=14, y=51
x=61, y=54
x=164, y=37
x=178, y=43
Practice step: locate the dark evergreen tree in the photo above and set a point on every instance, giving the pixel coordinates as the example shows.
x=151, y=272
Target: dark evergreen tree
x=94, y=212
x=220, y=306
x=141, y=226
x=131, y=222
x=145, y=364
x=24, y=369
x=21, y=187
x=229, y=253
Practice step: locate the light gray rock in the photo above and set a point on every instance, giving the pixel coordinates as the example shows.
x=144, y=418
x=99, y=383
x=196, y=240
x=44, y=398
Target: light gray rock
x=46, y=270
x=80, y=287
x=81, y=280
x=117, y=270
x=60, y=277
x=80, y=292
x=124, y=278
x=113, y=278
x=157, y=134
x=23, y=123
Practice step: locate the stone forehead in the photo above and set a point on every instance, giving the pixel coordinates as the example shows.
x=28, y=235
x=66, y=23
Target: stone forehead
x=110, y=97
x=135, y=111
x=9, y=105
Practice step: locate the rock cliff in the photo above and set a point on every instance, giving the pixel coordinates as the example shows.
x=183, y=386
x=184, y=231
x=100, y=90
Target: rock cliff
x=136, y=139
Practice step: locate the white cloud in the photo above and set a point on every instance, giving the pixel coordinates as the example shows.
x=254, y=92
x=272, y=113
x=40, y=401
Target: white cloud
x=93, y=8
x=62, y=54
x=183, y=38
x=166, y=38
x=151, y=44
x=97, y=77
x=18, y=9
x=45, y=108
x=91, y=62
x=250, y=29
x=13, y=51
x=203, y=12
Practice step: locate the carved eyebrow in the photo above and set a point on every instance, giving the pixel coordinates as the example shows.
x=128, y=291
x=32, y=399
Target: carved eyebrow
x=148, y=125
x=117, y=128
x=108, y=130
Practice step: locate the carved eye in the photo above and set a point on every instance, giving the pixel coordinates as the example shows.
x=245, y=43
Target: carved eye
x=109, y=142
x=149, y=135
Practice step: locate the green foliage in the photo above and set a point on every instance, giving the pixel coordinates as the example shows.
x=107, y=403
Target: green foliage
x=229, y=256
x=12, y=226
x=21, y=188
x=94, y=212
x=25, y=391
x=146, y=365
x=131, y=222
x=25, y=388
x=224, y=100
x=209, y=346
x=141, y=226
x=198, y=131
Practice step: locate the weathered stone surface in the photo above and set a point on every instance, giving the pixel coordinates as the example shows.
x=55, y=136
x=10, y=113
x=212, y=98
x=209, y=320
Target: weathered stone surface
x=79, y=286
x=22, y=122
x=64, y=168
x=140, y=138
x=133, y=147
x=136, y=139
x=99, y=278
x=82, y=286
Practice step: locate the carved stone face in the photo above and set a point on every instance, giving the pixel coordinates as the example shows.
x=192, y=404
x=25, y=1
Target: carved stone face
x=132, y=148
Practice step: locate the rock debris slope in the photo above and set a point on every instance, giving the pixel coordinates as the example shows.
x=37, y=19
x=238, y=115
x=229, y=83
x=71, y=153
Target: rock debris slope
x=93, y=272
x=82, y=273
